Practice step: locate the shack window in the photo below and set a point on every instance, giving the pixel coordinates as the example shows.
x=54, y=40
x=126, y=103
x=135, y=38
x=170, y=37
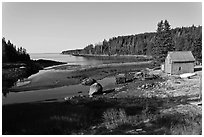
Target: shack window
x=179, y=68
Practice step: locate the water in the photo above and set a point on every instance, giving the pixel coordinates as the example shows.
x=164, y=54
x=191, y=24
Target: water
x=54, y=93
x=46, y=76
x=69, y=59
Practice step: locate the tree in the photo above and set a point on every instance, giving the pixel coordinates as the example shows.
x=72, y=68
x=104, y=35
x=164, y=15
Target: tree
x=157, y=47
x=156, y=43
x=163, y=41
x=160, y=26
x=4, y=53
x=12, y=54
x=197, y=51
x=168, y=41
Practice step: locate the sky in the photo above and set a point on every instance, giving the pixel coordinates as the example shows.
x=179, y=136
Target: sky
x=53, y=27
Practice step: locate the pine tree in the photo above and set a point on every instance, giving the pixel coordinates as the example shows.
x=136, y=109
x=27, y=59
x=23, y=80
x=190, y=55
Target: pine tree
x=197, y=51
x=156, y=49
x=163, y=42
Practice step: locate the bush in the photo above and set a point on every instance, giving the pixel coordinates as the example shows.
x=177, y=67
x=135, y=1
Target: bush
x=188, y=125
x=114, y=118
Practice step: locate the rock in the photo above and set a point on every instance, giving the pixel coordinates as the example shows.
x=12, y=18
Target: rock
x=95, y=88
x=138, y=88
x=123, y=78
x=120, y=78
x=138, y=75
x=146, y=121
x=22, y=67
x=119, y=88
x=139, y=129
x=88, y=81
x=68, y=98
x=129, y=77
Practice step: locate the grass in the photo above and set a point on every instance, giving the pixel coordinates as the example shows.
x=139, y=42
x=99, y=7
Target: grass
x=180, y=124
x=114, y=118
x=99, y=115
x=187, y=126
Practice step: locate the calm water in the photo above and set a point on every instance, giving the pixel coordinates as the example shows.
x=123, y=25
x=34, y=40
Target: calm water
x=65, y=58
x=44, y=75
x=54, y=93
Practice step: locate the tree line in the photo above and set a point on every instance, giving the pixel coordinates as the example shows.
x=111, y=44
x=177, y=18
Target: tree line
x=11, y=53
x=156, y=44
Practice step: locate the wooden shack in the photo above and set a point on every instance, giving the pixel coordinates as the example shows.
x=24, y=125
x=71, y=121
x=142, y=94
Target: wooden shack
x=179, y=62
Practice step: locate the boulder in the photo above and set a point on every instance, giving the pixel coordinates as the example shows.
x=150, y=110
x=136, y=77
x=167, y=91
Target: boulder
x=120, y=78
x=95, y=88
x=129, y=77
x=88, y=81
x=137, y=75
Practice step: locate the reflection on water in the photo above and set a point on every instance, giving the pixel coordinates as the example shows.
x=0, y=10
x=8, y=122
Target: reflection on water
x=54, y=93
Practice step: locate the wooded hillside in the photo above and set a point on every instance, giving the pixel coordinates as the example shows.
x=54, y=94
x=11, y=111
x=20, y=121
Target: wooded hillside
x=163, y=40
x=10, y=53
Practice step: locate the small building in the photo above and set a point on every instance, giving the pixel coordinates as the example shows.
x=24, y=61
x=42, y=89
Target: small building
x=179, y=62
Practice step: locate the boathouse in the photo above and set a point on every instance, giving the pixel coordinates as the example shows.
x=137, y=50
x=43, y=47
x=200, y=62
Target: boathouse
x=179, y=62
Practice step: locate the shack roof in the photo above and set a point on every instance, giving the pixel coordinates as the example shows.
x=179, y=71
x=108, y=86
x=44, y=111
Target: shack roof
x=181, y=56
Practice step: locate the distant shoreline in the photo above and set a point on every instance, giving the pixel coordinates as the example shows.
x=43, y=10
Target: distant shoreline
x=114, y=58
x=105, y=55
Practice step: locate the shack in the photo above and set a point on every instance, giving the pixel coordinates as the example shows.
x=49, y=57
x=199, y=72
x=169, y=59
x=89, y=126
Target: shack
x=179, y=62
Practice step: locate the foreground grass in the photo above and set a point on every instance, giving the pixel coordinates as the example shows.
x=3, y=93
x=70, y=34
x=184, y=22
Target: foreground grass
x=100, y=115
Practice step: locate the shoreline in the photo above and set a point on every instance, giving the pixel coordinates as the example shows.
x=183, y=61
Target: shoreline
x=12, y=72
x=164, y=110
x=72, y=77
x=105, y=55
x=114, y=58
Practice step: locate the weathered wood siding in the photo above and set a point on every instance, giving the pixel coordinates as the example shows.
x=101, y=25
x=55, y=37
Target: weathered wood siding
x=167, y=65
x=180, y=68
x=179, y=62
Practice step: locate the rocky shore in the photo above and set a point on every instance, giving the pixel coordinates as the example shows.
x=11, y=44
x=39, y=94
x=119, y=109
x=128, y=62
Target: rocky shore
x=72, y=75
x=143, y=101
x=150, y=103
x=11, y=72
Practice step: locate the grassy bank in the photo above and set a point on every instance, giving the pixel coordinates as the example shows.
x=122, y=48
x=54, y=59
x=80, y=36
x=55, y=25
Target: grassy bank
x=101, y=115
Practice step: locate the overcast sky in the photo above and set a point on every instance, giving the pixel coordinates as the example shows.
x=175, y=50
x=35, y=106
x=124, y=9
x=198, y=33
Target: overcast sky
x=54, y=27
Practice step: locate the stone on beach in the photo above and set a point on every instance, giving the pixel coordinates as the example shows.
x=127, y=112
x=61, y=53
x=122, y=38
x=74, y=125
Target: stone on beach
x=123, y=78
x=95, y=88
x=120, y=78
x=129, y=76
x=138, y=75
x=88, y=81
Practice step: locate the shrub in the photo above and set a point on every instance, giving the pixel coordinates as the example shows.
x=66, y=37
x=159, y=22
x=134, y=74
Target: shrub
x=188, y=125
x=114, y=118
